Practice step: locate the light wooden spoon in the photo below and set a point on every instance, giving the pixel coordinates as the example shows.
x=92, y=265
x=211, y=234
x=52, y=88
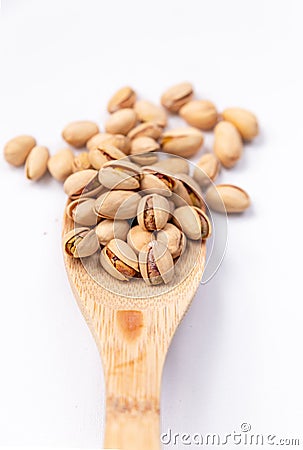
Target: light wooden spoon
x=133, y=335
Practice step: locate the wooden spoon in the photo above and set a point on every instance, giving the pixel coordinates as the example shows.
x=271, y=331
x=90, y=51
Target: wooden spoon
x=133, y=335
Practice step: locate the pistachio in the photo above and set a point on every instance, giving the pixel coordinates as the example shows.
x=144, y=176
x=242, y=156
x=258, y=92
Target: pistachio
x=142, y=149
x=80, y=242
x=228, y=144
x=104, y=153
x=81, y=211
x=117, y=205
x=193, y=222
x=121, y=121
x=119, y=260
x=173, y=238
x=206, y=170
x=149, y=112
x=187, y=190
x=119, y=141
x=78, y=133
x=120, y=175
x=227, y=197
x=174, y=165
x=153, y=212
x=60, y=165
x=200, y=113
x=148, y=129
x=245, y=122
x=96, y=140
x=157, y=181
x=123, y=98
x=183, y=141
x=109, y=229
x=156, y=263
x=17, y=149
x=177, y=96
x=36, y=162
x=84, y=183
x=81, y=162
x=137, y=238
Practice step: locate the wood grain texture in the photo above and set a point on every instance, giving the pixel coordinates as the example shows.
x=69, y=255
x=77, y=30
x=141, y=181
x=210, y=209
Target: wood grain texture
x=133, y=336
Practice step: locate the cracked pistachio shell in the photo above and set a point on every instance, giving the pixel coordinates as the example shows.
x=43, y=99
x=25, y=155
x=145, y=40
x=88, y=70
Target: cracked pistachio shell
x=121, y=121
x=96, y=140
x=117, y=204
x=207, y=169
x=17, y=149
x=81, y=162
x=137, y=238
x=245, y=122
x=60, y=165
x=153, y=212
x=177, y=96
x=142, y=149
x=36, y=162
x=193, y=222
x=119, y=260
x=174, y=165
x=228, y=145
x=186, y=189
x=80, y=242
x=123, y=98
x=156, y=263
x=157, y=181
x=78, y=133
x=148, y=129
x=200, y=114
x=84, y=183
x=149, y=112
x=109, y=229
x=120, y=174
x=104, y=153
x=82, y=212
x=173, y=238
x=227, y=198
x=183, y=141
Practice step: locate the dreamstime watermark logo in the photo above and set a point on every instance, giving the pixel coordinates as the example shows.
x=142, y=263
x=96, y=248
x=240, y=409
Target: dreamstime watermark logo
x=243, y=436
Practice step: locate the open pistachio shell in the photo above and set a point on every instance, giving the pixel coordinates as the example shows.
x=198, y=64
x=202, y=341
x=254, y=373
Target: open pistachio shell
x=173, y=238
x=156, y=263
x=153, y=212
x=137, y=238
x=148, y=129
x=142, y=150
x=103, y=153
x=183, y=141
x=119, y=260
x=123, y=98
x=109, y=229
x=120, y=174
x=149, y=112
x=84, y=183
x=81, y=211
x=186, y=189
x=117, y=204
x=193, y=222
x=174, y=165
x=157, y=181
x=80, y=242
x=207, y=169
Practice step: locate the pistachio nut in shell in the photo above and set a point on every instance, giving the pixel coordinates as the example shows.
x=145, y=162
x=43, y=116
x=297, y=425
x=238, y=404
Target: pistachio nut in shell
x=245, y=122
x=227, y=198
x=177, y=96
x=96, y=140
x=84, y=183
x=119, y=141
x=207, y=169
x=117, y=204
x=153, y=212
x=173, y=238
x=157, y=181
x=137, y=238
x=186, y=189
x=121, y=121
x=119, y=260
x=104, y=153
x=60, y=165
x=81, y=162
x=81, y=211
x=148, y=129
x=174, y=165
x=142, y=149
x=228, y=146
x=36, y=162
x=201, y=114
x=80, y=242
x=156, y=263
x=193, y=222
x=78, y=133
x=17, y=149
x=109, y=229
x=149, y=112
x=123, y=98
x=120, y=174
x=183, y=141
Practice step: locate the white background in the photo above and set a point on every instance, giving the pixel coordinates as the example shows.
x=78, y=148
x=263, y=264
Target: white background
x=237, y=357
